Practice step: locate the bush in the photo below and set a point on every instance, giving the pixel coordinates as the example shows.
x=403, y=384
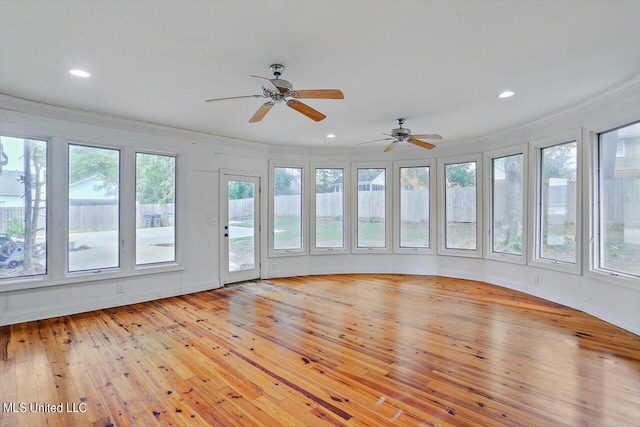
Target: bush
x=15, y=227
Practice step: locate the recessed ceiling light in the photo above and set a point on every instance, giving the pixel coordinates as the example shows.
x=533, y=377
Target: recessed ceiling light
x=506, y=94
x=79, y=73
x=331, y=135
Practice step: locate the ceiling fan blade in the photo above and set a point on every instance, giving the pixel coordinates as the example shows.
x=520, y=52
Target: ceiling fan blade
x=266, y=83
x=262, y=111
x=306, y=110
x=428, y=136
x=232, y=97
x=318, y=94
x=375, y=140
x=421, y=143
x=391, y=146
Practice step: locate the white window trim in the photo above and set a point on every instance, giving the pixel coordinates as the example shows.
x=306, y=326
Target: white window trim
x=124, y=263
x=535, y=150
x=397, y=165
x=178, y=199
x=346, y=194
x=58, y=212
x=388, y=211
x=304, y=249
x=488, y=200
x=591, y=216
x=442, y=217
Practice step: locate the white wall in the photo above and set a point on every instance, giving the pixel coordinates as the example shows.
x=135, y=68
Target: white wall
x=202, y=158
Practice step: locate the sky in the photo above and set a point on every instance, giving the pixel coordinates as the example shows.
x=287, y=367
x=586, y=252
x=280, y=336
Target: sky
x=13, y=148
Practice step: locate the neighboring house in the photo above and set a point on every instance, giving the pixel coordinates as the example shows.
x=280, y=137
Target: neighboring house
x=90, y=189
x=377, y=183
x=628, y=149
x=11, y=189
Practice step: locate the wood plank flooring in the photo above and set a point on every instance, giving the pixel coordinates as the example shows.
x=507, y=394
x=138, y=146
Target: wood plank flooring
x=324, y=350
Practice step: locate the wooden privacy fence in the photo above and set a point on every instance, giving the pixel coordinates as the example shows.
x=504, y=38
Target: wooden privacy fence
x=85, y=216
x=621, y=200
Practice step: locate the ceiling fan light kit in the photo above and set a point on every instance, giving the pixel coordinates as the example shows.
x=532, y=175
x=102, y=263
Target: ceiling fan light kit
x=280, y=90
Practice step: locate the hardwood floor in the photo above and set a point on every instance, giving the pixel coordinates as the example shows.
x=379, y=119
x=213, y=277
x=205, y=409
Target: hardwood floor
x=325, y=350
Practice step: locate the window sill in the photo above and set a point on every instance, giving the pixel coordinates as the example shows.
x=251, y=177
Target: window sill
x=619, y=279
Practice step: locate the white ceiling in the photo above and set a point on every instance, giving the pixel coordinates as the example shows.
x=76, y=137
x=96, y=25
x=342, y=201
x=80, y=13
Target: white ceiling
x=440, y=64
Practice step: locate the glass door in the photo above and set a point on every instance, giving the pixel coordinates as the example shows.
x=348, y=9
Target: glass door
x=240, y=232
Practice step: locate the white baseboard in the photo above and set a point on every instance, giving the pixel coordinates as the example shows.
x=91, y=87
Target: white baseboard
x=554, y=297
x=505, y=283
x=460, y=274
x=613, y=318
x=200, y=286
x=102, y=303
x=81, y=307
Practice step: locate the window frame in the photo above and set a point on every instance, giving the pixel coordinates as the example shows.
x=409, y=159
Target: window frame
x=177, y=197
x=58, y=210
x=591, y=216
x=442, y=216
x=535, y=182
x=346, y=211
x=387, y=166
x=121, y=210
x=397, y=166
x=12, y=283
x=304, y=200
x=489, y=157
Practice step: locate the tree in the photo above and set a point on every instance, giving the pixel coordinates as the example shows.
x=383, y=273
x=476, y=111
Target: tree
x=33, y=179
x=461, y=174
x=326, y=179
x=283, y=181
x=240, y=190
x=85, y=162
x=416, y=175
x=155, y=178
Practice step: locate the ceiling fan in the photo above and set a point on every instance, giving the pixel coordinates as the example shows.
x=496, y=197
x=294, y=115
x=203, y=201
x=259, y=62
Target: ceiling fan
x=280, y=90
x=403, y=134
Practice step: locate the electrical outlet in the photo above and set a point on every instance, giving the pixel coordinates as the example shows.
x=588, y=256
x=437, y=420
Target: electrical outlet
x=274, y=266
x=535, y=280
x=121, y=289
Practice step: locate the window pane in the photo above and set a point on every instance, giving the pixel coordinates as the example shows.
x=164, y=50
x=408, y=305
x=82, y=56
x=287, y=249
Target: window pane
x=557, y=240
x=506, y=205
x=329, y=208
x=460, y=212
x=414, y=207
x=94, y=199
x=287, y=208
x=23, y=214
x=620, y=200
x=242, y=227
x=372, y=208
x=155, y=208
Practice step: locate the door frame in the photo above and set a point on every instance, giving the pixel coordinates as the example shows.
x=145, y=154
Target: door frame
x=262, y=210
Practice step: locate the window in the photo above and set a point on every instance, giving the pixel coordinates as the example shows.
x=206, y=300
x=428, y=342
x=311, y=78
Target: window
x=507, y=205
x=23, y=207
x=618, y=195
x=372, y=208
x=557, y=197
x=287, y=208
x=155, y=208
x=329, y=208
x=414, y=206
x=94, y=206
x=461, y=206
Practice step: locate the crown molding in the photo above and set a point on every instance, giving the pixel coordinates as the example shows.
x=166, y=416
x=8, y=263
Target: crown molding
x=56, y=112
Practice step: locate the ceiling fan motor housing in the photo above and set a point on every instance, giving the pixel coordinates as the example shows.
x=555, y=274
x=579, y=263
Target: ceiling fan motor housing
x=401, y=133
